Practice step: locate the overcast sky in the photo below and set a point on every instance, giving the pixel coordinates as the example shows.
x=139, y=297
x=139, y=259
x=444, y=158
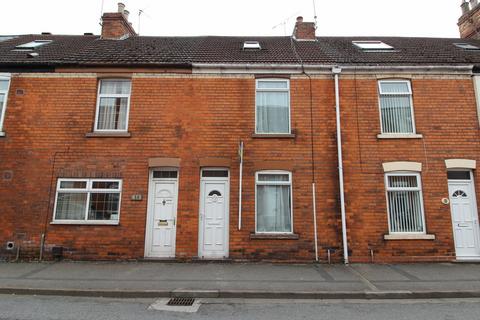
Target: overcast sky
x=431, y=18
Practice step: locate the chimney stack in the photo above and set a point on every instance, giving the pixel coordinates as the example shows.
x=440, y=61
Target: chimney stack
x=115, y=25
x=304, y=31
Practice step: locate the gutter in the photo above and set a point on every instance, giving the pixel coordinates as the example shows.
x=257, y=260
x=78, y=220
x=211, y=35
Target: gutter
x=336, y=72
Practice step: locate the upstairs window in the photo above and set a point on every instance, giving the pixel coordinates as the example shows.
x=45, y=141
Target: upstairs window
x=113, y=105
x=272, y=106
x=372, y=45
x=396, y=107
x=88, y=201
x=405, y=203
x=274, y=202
x=4, y=86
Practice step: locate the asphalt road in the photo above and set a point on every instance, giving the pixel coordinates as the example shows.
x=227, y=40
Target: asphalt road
x=66, y=308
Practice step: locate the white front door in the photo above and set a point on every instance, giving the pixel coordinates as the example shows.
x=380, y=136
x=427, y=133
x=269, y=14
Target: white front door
x=464, y=215
x=162, y=215
x=214, y=214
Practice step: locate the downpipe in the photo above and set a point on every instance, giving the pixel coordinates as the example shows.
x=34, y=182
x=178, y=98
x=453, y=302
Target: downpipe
x=336, y=72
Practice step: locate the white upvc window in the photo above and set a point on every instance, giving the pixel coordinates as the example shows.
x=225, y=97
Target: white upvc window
x=88, y=201
x=272, y=111
x=405, y=202
x=4, y=87
x=396, y=107
x=113, y=105
x=273, y=204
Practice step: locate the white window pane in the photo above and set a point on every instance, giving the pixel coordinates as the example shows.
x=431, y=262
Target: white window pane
x=73, y=185
x=4, y=85
x=395, y=87
x=114, y=87
x=405, y=211
x=396, y=113
x=105, y=185
x=104, y=206
x=273, y=177
x=272, y=84
x=402, y=182
x=112, y=114
x=273, y=209
x=71, y=206
x=273, y=112
x=2, y=101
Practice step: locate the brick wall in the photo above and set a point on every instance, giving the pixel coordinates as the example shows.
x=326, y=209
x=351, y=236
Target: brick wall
x=192, y=117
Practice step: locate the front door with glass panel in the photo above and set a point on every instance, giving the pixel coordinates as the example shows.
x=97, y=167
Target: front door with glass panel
x=162, y=214
x=464, y=214
x=214, y=214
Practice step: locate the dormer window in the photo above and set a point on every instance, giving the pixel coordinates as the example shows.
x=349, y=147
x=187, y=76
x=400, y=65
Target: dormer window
x=466, y=46
x=251, y=45
x=32, y=45
x=372, y=45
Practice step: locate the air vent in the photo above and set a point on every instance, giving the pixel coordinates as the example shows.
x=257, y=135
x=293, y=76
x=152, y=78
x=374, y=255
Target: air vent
x=251, y=45
x=184, y=302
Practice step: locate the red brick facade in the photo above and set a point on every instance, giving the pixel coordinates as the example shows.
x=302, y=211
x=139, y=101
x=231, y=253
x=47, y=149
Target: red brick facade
x=192, y=117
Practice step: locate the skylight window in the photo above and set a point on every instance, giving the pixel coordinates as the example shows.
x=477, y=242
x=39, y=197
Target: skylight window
x=466, y=46
x=251, y=45
x=372, y=45
x=5, y=38
x=32, y=45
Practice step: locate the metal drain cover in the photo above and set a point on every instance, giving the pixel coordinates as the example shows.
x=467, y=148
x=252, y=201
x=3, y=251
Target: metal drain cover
x=176, y=305
x=184, y=302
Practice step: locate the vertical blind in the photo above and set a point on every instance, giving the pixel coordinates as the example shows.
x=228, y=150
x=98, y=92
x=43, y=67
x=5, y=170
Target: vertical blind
x=273, y=107
x=404, y=204
x=396, y=107
x=3, y=93
x=113, y=105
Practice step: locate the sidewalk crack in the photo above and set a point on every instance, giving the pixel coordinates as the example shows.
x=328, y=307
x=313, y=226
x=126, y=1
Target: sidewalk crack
x=33, y=272
x=364, y=280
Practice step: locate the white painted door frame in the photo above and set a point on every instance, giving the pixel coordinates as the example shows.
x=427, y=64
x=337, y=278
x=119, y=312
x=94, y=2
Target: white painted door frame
x=151, y=214
x=201, y=220
x=473, y=203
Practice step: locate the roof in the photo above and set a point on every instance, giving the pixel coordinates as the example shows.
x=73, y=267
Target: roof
x=91, y=50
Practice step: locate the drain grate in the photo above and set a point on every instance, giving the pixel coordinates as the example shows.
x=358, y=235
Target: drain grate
x=184, y=302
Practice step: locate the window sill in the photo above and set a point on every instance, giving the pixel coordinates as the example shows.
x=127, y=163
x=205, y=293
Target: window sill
x=2, y=134
x=276, y=236
x=273, y=135
x=409, y=237
x=108, y=135
x=399, y=136
x=87, y=223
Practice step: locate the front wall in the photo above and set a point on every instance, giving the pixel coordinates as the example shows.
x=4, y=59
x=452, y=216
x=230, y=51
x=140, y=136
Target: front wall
x=194, y=117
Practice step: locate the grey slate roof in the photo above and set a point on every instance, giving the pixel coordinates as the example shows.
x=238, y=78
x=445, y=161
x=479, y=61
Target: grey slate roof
x=184, y=51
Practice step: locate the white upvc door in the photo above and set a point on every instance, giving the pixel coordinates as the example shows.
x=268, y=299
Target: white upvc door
x=214, y=217
x=161, y=218
x=464, y=218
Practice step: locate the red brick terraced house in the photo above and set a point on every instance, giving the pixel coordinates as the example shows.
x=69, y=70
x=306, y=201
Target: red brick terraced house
x=301, y=148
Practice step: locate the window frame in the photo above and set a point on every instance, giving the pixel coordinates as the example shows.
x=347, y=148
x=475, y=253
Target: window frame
x=104, y=95
x=266, y=183
x=257, y=89
x=7, y=77
x=382, y=46
x=412, y=110
x=88, y=190
x=419, y=188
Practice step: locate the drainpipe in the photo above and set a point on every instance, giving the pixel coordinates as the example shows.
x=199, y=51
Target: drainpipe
x=336, y=72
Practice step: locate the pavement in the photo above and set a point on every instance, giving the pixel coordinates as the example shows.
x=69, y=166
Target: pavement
x=247, y=281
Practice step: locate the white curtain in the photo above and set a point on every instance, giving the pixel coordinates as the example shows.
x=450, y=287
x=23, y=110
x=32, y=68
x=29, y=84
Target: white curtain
x=115, y=87
x=273, y=209
x=272, y=112
x=112, y=114
x=71, y=206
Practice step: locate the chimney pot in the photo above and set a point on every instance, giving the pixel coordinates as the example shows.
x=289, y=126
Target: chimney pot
x=126, y=13
x=299, y=19
x=465, y=7
x=473, y=3
x=121, y=7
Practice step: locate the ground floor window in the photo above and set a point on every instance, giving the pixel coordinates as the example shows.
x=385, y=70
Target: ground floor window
x=89, y=200
x=273, y=202
x=405, y=203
